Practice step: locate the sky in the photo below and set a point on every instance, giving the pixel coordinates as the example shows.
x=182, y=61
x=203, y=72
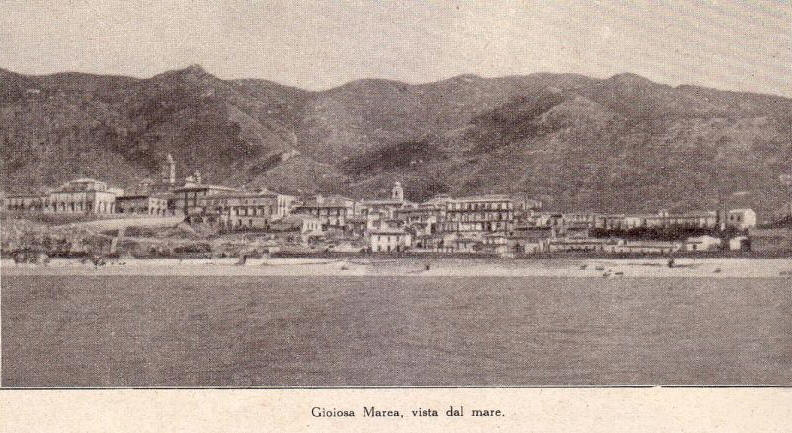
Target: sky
x=732, y=45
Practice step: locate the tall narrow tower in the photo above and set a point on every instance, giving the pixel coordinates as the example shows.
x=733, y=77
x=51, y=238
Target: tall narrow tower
x=171, y=174
x=397, y=193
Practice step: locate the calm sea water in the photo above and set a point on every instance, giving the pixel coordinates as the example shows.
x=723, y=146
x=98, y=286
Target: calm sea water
x=336, y=331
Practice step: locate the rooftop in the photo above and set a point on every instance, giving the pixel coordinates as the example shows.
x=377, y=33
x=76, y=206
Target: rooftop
x=388, y=231
x=201, y=186
x=483, y=197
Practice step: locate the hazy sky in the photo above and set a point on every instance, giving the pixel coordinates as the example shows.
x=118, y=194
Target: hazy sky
x=739, y=45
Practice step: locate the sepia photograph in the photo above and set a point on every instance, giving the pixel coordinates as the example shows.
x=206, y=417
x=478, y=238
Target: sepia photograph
x=365, y=194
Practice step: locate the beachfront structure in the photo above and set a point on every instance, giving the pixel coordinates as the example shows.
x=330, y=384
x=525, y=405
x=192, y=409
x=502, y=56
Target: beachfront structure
x=389, y=239
x=475, y=216
x=83, y=196
x=702, y=243
x=460, y=243
x=740, y=243
x=643, y=247
x=576, y=244
x=497, y=243
x=613, y=246
x=154, y=205
x=529, y=239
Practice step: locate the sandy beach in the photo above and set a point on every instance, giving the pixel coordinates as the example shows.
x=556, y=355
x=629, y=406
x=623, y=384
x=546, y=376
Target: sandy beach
x=412, y=267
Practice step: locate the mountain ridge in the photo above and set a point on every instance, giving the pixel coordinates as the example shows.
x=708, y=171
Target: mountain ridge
x=619, y=143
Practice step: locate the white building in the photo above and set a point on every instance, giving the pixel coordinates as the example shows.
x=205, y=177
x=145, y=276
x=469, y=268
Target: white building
x=83, y=195
x=740, y=243
x=741, y=218
x=476, y=216
x=386, y=240
x=142, y=205
x=702, y=243
x=384, y=208
x=23, y=203
x=331, y=211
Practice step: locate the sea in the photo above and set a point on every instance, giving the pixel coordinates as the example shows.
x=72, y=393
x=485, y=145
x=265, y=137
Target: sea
x=380, y=330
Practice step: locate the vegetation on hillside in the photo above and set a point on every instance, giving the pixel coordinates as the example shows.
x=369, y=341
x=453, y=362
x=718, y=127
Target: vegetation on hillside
x=622, y=143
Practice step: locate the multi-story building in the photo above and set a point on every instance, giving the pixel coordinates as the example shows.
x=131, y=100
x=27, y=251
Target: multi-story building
x=741, y=218
x=632, y=221
x=84, y=195
x=696, y=219
x=579, y=220
x=475, y=216
x=307, y=226
x=23, y=203
x=156, y=205
x=609, y=221
x=497, y=243
x=357, y=225
x=528, y=239
x=194, y=198
x=250, y=210
x=385, y=208
x=662, y=219
x=423, y=219
x=544, y=219
x=332, y=211
x=389, y=239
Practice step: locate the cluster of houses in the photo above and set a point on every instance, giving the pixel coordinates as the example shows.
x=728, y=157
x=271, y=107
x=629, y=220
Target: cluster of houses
x=489, y=223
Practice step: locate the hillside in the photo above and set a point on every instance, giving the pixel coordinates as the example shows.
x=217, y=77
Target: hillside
x=622, y=143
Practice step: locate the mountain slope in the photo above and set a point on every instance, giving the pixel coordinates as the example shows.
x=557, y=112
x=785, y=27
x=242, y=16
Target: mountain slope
x=618, y=144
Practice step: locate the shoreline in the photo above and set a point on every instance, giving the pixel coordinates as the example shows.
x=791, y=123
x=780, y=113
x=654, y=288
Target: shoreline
x=415, y=267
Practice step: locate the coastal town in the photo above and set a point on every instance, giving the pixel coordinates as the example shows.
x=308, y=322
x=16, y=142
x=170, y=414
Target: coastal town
x=136, y=221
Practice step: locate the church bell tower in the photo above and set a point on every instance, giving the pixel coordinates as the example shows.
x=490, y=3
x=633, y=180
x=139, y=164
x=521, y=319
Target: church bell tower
x=397, y=193
x=169, y=170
